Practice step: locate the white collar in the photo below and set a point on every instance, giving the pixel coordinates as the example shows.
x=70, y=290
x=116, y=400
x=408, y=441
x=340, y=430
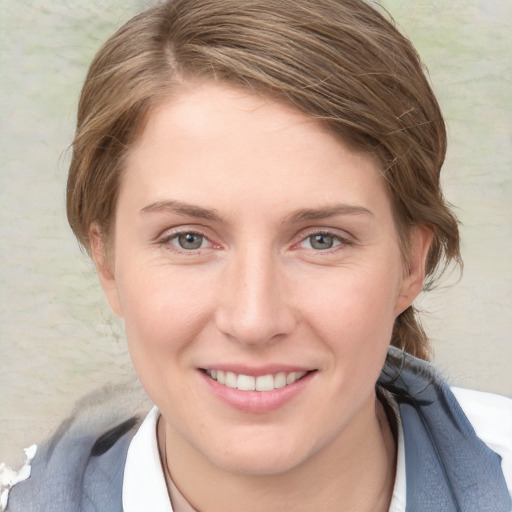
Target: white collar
x=144, y=486
x=400, y=489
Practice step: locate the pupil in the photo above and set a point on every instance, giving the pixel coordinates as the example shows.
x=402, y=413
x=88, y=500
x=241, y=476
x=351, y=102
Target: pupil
x=190, y=241
x=322, y=242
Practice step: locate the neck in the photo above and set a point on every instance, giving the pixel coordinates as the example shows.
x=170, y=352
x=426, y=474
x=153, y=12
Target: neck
x=355, y=472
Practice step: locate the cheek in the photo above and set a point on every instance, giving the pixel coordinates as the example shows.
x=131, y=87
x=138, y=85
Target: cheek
x=164, y=317
x=353, y=313
x=358, y=300
x=164, y=310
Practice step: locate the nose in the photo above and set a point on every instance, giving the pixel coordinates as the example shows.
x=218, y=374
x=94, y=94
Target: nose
x=254, y=307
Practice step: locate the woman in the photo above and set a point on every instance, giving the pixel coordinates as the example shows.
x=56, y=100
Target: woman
x=257, y=183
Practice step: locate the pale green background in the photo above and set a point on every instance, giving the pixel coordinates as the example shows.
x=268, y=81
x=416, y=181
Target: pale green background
x=57, y=337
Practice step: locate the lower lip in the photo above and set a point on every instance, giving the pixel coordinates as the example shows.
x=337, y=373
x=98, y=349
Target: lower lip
x=257, y=402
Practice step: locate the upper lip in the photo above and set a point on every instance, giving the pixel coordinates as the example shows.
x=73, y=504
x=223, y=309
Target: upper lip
x=257, y=371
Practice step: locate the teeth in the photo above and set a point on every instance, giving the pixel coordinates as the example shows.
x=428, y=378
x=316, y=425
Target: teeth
x=280, y=380
x=245, y=383
x=291, y=378
x=231, y=380
x=249, y=383
x=265, y=383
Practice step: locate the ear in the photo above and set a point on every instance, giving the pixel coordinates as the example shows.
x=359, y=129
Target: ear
x=104, y=268
x=414, y=274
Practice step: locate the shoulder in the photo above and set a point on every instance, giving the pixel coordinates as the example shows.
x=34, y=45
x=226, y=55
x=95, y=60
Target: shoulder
x=491, y=417
x=457, y=456
x=81, y=466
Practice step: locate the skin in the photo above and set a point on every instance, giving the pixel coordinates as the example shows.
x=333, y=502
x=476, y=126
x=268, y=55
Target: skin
x=254, y=181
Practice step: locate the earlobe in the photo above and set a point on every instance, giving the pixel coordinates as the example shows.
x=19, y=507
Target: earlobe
x=104, y=268
x=414, y=275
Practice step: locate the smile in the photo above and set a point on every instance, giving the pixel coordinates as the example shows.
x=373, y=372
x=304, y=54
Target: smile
x=243, y=382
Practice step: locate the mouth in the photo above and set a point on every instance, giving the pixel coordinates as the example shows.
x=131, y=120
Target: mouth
x=269, y=382
x=260, y=393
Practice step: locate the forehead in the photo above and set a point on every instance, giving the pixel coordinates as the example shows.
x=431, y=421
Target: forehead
x=221, y=146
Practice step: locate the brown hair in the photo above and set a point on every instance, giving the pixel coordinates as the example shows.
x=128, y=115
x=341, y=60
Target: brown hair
x=339, y=61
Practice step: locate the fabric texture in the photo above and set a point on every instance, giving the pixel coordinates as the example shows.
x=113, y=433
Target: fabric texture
x=144, y=486
x=448, y=468
x=81, y=468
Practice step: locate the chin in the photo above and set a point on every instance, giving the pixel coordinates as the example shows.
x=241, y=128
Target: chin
x=259, y=464
x=263, y=456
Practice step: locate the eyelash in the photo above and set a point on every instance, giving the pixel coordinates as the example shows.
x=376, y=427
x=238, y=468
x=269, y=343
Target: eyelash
x=166, y=241
x=342, y=241
x=338, y=240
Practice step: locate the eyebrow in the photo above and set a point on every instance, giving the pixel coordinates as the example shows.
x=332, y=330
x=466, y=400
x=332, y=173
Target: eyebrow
x=301, y=215
x=328, y=211
x=178, y=207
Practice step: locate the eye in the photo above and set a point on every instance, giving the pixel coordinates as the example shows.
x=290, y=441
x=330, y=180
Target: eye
x=321, y=241
x=184, y=241
x=189, y=241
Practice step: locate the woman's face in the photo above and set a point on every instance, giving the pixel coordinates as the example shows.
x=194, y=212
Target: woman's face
x=252, y=249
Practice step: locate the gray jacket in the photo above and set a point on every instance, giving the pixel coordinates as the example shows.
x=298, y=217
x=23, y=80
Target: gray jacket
x=448, y=468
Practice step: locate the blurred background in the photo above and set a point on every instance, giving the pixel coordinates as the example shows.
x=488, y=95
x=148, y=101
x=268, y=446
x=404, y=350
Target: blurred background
x=58, y=339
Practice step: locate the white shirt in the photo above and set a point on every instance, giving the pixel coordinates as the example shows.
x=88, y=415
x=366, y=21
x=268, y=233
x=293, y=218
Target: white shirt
x=145, y=488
